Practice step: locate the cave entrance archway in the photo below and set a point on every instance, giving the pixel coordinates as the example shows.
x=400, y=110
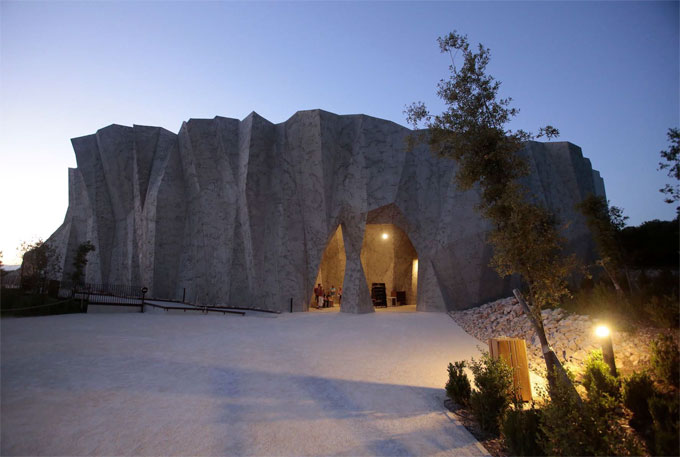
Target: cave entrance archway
x=331, y=272
x=387, y=257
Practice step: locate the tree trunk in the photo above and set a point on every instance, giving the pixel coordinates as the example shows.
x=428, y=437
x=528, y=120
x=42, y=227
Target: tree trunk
x=630, y=282
x=612, y=278
x=552, y=363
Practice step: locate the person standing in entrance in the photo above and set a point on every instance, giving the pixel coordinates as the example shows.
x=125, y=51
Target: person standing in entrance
x=317, y=292
x=332, y=298
x=320, y=297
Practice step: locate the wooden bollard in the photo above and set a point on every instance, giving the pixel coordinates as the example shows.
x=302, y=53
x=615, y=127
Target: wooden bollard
x=514, y=352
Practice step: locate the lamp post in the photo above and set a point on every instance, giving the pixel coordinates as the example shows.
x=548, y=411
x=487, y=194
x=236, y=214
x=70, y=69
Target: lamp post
x=602, y=332
x=144, y=291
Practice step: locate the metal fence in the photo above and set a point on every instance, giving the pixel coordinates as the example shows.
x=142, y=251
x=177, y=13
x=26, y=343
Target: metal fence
x=104, y=294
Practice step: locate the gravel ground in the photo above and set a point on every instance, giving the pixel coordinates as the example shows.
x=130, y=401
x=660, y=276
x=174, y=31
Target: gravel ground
x=295, y=384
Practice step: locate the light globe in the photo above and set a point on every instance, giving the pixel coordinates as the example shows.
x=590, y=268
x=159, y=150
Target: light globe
x=602, y=331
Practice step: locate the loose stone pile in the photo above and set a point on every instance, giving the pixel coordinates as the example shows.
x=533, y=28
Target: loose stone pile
x=571, y=335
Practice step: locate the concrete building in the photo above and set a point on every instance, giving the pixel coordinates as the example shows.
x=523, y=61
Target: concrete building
x=250, y=213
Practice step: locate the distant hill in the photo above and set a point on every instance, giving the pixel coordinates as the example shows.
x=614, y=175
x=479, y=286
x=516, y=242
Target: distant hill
x=11, y=267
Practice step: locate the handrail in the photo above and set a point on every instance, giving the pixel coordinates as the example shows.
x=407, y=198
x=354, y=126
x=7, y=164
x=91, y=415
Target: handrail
x=260, y=310
x=205, y=309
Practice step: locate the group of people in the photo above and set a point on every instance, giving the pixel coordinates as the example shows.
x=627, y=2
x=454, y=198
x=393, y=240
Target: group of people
x=326, y=299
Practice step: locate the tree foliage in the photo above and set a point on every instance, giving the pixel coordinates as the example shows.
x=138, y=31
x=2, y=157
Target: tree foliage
x=80, y=261
x=671, y=162
x=473, y=131
x=652, y=244
x=40, y=262
x=606, y=224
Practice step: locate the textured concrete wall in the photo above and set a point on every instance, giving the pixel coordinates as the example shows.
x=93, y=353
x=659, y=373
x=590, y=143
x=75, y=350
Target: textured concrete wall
x=240, y=212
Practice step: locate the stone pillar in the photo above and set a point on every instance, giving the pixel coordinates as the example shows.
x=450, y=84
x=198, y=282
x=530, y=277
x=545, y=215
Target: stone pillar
x=429, y=293
x=356, y=298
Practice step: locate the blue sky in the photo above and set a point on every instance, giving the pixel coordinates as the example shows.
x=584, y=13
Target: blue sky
x=605, y=73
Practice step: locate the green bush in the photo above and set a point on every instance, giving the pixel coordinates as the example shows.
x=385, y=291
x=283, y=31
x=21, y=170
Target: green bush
x=587, y=429
x=602, y=302
x=662, y=310
x=17, y=303
x=654, y=301
x=666, y=430
x=493, y=382
x=458, y=385
x=638, y=389
x=666, y=359
x=521, y=431
x=598, y=381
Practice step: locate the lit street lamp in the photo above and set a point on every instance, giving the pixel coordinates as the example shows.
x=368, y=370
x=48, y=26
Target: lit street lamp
x=602, y=332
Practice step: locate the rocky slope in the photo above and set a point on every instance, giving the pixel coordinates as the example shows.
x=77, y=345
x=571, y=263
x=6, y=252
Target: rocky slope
x=571, y=335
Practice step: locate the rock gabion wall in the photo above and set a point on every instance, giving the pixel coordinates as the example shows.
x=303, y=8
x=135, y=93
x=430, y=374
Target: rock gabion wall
x=571, y=335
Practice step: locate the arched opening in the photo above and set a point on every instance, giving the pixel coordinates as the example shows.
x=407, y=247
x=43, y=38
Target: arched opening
x=390, y=265
x=331, y=274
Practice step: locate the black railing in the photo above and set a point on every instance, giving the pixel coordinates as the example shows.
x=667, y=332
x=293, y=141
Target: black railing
x=116, y=290
x=117, y=294
x=103, y=294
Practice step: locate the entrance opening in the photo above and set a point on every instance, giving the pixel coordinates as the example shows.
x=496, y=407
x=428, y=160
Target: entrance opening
x=331, y=274
x=390, y=264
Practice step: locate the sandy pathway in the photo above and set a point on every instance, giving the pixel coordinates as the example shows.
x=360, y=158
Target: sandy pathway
x=296, y=384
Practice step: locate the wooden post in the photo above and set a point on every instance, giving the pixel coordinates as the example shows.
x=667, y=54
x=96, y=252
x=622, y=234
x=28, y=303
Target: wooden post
x=514, y=352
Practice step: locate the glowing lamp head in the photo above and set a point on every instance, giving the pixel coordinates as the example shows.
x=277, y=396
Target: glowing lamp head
x=602, y=331
x=385, y=236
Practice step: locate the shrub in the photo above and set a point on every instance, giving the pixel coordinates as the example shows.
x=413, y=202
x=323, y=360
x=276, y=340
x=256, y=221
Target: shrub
x=666, y=359
x=601, y=302
x=521, y=431
x=664, y=411
x=601, y=386
x=458, y=385
x=588, y=429
x=638, y=389
x=493, y=380
x=662, y=310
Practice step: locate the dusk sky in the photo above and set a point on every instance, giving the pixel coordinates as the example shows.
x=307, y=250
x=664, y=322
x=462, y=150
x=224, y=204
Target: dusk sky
x=606, y=74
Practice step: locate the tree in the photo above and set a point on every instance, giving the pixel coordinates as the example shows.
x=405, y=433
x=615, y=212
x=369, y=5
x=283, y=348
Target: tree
x=652, y=244
x=472, y=130
x=80, y=261
x=40, y=262
x=606, y=224
x=672, y=164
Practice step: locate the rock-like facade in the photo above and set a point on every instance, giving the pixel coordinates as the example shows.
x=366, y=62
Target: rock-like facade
x=240, y=212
